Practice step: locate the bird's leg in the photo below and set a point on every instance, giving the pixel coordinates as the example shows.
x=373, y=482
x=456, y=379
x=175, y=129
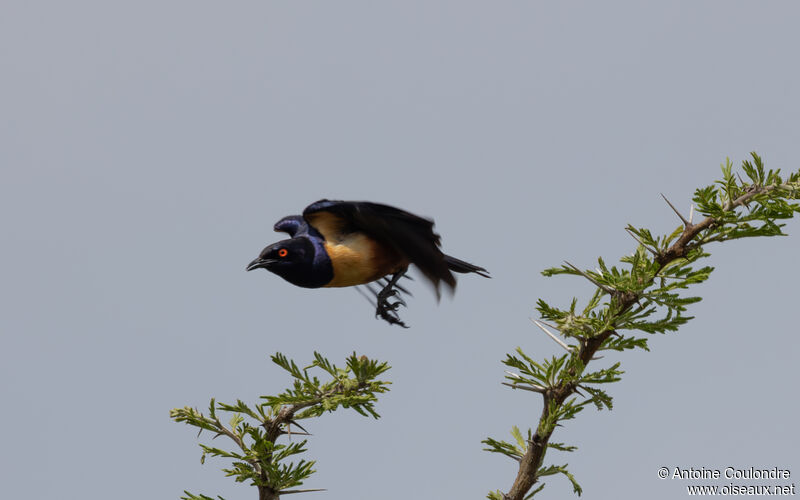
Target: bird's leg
x=399, y=287
x=388, y=310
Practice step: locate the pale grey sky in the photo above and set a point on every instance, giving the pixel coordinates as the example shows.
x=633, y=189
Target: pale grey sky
x=148, y=147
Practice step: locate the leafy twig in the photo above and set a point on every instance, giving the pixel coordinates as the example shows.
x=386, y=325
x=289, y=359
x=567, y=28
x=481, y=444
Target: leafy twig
x=632, y=295
x=259, y=458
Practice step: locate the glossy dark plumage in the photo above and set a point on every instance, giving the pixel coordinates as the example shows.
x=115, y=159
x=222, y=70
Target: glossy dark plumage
x=346, y=243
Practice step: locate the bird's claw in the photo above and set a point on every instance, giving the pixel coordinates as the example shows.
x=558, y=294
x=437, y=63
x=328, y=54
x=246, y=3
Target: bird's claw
x=383, y=298
x=394, y=306
x=386, y=310
x=390, y=317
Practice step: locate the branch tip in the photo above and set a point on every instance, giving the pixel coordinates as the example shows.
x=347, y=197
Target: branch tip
x=596, y=283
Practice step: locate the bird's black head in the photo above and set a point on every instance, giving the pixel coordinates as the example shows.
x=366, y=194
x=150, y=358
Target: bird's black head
x=294, y=260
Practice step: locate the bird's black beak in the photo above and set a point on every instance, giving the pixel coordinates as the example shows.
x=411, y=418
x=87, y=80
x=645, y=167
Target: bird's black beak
x=259, y=262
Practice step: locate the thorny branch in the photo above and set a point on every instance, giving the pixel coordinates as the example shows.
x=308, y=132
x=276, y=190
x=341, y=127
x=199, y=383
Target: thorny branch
x=531, y=461
x=262, y=460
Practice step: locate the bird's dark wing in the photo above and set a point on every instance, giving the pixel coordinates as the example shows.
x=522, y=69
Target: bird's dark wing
x=296, y=226
x=293, y=225
x=408, y=234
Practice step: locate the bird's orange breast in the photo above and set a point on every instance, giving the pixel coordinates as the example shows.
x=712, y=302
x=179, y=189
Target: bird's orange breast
x=357, y=259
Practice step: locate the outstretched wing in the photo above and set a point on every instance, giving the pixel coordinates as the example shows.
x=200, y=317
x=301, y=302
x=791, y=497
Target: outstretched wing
x=408, y=234
x=294, y=225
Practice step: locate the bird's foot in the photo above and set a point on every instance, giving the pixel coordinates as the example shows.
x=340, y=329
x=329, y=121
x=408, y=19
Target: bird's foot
x=386, y=310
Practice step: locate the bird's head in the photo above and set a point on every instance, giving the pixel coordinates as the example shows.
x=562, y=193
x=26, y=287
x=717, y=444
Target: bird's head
x=292, y=260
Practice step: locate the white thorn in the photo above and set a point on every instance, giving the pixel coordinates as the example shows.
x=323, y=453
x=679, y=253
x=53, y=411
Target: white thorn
x=691, y=213
x=551, y=335
x=515, y=375
x=528, y=387
x=548, y=325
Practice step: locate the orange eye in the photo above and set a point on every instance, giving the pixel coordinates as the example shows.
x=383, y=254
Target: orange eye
x=283, y=252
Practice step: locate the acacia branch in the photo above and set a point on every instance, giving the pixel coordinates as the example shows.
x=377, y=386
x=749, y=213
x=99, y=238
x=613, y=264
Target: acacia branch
x=264, y=462
x=531, y=462
x=274, y=429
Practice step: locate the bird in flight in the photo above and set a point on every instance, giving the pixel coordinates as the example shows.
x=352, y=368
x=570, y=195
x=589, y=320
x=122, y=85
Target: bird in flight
x=350, y=243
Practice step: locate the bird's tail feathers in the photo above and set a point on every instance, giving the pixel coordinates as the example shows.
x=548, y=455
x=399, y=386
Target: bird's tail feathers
x=460, y=266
